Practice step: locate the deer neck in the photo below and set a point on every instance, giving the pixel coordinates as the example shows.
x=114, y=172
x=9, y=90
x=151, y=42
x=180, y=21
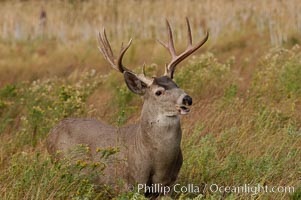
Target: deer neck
x=158, y=130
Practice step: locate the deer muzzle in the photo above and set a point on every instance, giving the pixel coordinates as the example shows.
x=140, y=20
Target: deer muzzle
x=182, y=107
x=187, y=100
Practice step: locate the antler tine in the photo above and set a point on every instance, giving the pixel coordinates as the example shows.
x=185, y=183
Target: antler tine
x=189, y=32
x=176, y=59
x=106, y=50
x=122, y=52
x=143, y=76
x=143, y=69
x=171, y=45
x=107, y=44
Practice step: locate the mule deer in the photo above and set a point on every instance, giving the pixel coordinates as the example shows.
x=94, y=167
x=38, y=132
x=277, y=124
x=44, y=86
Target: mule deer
x=151, y=148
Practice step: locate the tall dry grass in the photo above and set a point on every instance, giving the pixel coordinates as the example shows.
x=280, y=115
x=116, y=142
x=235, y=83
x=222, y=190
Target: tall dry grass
x=76, y=21
x=32, y=47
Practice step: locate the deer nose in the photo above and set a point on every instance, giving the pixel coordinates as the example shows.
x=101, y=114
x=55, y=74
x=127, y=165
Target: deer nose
x=187, y=100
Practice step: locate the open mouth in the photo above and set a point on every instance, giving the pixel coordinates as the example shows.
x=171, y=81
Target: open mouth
x=183, y=110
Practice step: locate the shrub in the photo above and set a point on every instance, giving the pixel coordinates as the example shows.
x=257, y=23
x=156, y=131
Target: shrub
x=39, y=178
x=204, y=75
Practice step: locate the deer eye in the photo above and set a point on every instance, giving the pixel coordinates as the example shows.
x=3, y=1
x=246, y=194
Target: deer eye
x=158, y=93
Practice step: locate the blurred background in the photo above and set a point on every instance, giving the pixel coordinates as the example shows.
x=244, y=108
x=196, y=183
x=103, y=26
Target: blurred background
x=41, y=38
x=245, y=123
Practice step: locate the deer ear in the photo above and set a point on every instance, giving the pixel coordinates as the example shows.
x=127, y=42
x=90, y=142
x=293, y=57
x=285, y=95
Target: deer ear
x=134, y=84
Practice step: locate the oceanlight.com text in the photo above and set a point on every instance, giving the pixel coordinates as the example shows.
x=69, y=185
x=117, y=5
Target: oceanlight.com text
x=251, y=189
x=212, y=188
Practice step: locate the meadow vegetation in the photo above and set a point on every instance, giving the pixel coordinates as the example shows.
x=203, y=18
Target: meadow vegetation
x=245, y=124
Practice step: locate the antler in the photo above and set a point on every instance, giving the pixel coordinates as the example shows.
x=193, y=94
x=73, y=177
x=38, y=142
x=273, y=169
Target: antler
x=106, y=50
x=176, y=59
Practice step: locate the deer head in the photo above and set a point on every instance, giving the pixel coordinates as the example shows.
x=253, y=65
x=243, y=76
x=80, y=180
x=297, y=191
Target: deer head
x=161, y=94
